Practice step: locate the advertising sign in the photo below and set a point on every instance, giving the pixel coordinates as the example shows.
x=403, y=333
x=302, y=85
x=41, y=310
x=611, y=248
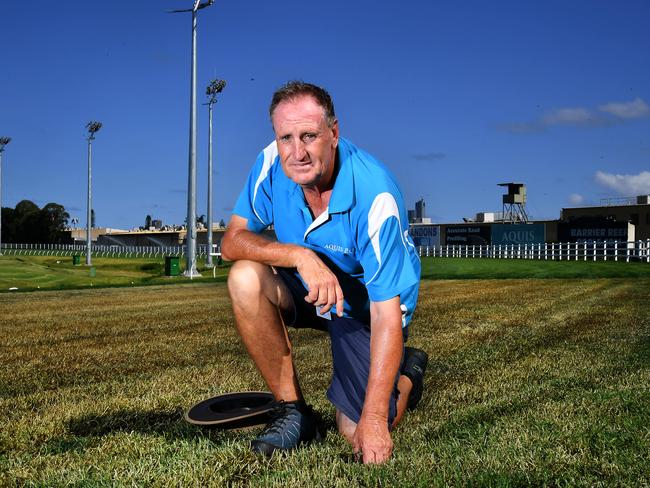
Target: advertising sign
x=518, y=234
x=425, y=235
x=595, y=231
x=476, y=234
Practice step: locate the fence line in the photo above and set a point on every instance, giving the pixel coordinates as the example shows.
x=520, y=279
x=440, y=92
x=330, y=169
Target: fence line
x=98, y=251
x=627, y=251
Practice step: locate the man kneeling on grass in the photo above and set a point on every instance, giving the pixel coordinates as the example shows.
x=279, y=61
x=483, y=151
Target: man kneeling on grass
x=343, y=263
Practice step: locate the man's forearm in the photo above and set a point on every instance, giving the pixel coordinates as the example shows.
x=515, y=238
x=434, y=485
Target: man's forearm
x=244, y=244
x=386, y=344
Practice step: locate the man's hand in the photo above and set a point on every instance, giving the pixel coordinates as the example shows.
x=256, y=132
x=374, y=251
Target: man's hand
x=373, y=440
x=323, y=286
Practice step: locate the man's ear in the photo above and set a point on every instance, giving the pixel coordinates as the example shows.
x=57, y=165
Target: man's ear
x=335, y=132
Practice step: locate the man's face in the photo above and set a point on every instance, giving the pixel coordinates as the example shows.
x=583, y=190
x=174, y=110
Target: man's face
x=307, y=145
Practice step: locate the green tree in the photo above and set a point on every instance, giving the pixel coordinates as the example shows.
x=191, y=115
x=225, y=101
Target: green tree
x=8, y=224
x=27, y=222
x=32, y=225
x=54, y=219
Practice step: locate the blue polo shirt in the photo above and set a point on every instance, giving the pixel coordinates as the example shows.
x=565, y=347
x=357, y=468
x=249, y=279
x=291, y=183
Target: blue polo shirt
x=363, y=232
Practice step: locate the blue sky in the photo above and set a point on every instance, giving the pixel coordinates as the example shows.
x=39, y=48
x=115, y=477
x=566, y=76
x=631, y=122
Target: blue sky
x=455, y=97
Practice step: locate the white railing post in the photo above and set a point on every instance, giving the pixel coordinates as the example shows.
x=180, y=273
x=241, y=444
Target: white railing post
x=605, y=250
x=615, y=250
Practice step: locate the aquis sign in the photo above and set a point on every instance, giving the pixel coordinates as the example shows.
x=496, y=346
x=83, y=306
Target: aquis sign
x=518, y=234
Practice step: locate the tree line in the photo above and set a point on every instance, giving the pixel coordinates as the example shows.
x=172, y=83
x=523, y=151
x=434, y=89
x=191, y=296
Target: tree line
x=29, y=224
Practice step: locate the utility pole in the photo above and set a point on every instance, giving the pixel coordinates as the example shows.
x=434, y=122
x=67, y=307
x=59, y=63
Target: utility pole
x=215, y=86
x=3, y=142
x=92, y=127
x=190, y=268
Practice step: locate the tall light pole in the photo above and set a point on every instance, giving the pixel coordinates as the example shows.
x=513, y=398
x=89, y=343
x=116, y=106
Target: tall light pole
x=215, y=86
x=190, y=268
x=3, y=142
x=92, y=128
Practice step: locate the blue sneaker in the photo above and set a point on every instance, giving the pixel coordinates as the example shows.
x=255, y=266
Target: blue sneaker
x=292, y=424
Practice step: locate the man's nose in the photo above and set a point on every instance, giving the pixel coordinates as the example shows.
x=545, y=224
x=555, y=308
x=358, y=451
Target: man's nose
x=299, y=151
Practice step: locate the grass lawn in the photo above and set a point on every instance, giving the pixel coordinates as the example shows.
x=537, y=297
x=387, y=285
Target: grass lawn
x=531, y=382
x=28, y=273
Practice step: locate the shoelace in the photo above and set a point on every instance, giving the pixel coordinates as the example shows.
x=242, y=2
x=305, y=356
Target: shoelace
x=278, y=418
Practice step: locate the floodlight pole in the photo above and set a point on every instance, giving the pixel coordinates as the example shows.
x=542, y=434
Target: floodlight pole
x=190, y=267
x=92, y=128
x=209, y=258
x=214, y=87
x=3, y=142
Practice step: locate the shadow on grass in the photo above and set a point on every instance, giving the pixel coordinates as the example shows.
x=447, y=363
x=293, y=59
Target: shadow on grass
x=151, y=422
x=156, y=422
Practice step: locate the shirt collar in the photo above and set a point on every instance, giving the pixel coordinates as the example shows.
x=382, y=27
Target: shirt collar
x=342, y=197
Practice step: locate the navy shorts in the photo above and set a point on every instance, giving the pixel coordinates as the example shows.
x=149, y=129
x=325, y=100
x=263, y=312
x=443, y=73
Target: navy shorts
x=350, y=341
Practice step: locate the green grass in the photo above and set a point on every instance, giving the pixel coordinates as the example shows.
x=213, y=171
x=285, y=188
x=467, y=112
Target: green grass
x=468, y=268
x=531, y=382
x=28, y=273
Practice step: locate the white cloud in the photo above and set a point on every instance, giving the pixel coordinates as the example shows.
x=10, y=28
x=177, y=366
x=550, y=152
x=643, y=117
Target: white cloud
x=627, y=185
x=569, y=116
x=576, y=116
x=635, y=109
x=576, y=199
x=612, y=113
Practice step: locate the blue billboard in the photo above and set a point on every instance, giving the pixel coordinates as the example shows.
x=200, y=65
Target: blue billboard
x=425, y=234
x=518, y=234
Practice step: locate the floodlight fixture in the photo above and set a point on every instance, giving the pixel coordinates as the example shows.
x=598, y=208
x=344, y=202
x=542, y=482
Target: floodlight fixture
x=93, y=127
x=3, y=142
x=190, y=269
x=214, y=87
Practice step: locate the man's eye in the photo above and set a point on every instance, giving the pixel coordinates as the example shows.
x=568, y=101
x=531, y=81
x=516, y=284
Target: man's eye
x=285, y=138
x=309, y=137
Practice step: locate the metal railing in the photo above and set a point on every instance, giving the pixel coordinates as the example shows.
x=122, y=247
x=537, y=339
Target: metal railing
x=627, y=251
x=99, y=251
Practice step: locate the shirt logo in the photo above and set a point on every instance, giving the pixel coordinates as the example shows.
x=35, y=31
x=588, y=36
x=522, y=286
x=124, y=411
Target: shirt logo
x=337, y=248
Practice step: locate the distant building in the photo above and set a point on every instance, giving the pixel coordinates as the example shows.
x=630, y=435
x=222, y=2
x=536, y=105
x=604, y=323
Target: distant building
x=418, y=216
x=635, y=211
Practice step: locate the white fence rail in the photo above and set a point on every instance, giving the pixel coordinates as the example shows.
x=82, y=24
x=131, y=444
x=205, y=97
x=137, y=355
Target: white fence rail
x=638, y=251
x=558, y=251
x=99, y=251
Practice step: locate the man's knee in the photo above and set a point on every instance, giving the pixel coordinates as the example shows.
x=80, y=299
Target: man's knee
x=245, y=279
